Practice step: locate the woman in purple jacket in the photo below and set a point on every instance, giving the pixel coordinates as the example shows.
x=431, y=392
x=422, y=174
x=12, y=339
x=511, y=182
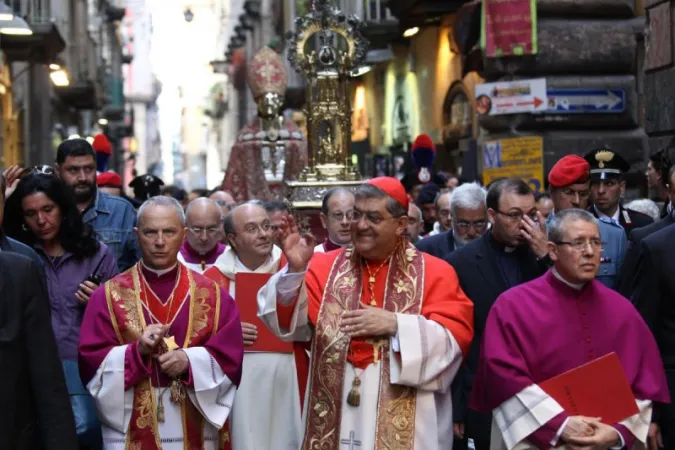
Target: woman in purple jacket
x=42, y=213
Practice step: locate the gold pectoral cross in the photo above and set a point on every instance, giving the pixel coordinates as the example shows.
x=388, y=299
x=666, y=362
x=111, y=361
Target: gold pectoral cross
x=377, y=344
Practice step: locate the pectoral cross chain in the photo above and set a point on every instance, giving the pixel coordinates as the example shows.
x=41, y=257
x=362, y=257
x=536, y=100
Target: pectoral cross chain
x=377, y=346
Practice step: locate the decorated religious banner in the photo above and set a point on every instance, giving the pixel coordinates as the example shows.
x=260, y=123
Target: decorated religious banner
x=521, y=157
x=509, y=27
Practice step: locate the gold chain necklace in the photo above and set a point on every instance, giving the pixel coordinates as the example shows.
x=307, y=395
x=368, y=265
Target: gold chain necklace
x=354, y=396
x=371, y=278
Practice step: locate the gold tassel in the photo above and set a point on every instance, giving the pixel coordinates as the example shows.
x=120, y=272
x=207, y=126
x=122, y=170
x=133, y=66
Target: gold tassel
x=354, y=397
x=160, y=410
x=177, y=391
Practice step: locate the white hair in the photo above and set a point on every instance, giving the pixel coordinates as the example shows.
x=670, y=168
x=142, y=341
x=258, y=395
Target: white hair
x=468, y=196
x=645, y=206
x=162, y=200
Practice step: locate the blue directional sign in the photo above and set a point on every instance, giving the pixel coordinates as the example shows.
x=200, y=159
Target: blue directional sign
x=586, y=101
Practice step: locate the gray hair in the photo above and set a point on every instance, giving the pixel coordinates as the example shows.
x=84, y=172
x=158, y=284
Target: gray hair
x=368, y=191
x=161, y=200
x=556, y=228
x=645, y=206
x=468, y=196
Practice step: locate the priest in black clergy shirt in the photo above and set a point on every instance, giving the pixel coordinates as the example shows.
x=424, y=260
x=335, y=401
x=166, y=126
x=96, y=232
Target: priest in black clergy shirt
x=512, y=252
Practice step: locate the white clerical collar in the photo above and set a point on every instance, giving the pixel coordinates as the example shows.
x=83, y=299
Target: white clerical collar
x=575, y=286
x=509, y=249
x=614, y=218
x=161, y=272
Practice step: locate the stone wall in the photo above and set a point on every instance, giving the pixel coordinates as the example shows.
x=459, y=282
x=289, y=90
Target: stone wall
x=583, y=44
x=659, y=74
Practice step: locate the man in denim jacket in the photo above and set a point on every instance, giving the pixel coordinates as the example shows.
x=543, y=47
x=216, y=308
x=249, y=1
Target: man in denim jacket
x=113, y=218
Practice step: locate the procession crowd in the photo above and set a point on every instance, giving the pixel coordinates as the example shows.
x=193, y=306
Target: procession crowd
x=431, y=317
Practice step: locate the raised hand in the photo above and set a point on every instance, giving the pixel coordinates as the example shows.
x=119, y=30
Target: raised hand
x=535, y=234
x=12, y=176
x=297, y=247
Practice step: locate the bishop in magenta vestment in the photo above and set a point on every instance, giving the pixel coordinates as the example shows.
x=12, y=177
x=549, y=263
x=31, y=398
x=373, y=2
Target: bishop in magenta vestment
x=544, y=328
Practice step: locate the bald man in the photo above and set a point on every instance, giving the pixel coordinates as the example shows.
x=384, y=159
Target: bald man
x=266, y=412
x=224, y=200
x=203, y=246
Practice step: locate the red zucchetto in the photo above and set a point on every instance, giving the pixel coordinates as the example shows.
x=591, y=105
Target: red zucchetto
x=569, y=170
x=392, y=187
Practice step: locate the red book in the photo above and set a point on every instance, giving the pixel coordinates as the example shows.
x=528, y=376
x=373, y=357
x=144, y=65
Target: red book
x=596, y=389
x=246, y=290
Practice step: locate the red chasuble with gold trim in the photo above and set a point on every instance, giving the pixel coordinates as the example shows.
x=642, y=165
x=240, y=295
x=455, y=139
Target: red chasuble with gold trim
x=411, y=283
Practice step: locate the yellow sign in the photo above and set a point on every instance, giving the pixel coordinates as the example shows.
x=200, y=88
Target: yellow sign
x=521, y=157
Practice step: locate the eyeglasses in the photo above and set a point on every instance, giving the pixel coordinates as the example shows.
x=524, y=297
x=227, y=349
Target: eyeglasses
x=571, y=193
x=518, y=216
x=373, y=219
x=464, y=225
x=211, y=231
x=340, y=216
x=254, y=230
x=580, y=245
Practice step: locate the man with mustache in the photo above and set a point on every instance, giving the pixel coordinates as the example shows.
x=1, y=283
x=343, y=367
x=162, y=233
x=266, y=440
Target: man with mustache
x=388, y=324
x=112, y=218
x=337, y=208
x=202, y=247
x=268, y=378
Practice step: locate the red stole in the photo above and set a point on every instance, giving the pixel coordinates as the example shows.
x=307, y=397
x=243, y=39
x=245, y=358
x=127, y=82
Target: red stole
x=301, y=359
x=125, y=295
x=330, y=348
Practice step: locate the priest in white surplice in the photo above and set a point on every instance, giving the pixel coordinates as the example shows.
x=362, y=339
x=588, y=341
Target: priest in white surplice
x=161, y=346
x=388, y=327
x=266, y=411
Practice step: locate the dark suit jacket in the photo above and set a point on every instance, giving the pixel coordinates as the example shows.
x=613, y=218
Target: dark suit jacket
x=653, y=295
x=627, y=277
x=440, y=245
x=36, y=412
x=481, y=279
x=8, y=244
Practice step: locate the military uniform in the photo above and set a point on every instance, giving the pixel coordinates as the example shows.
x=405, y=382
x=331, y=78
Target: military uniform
x=608, y=165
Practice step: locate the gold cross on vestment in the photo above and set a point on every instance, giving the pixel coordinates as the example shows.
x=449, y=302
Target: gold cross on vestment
x=378, y=344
